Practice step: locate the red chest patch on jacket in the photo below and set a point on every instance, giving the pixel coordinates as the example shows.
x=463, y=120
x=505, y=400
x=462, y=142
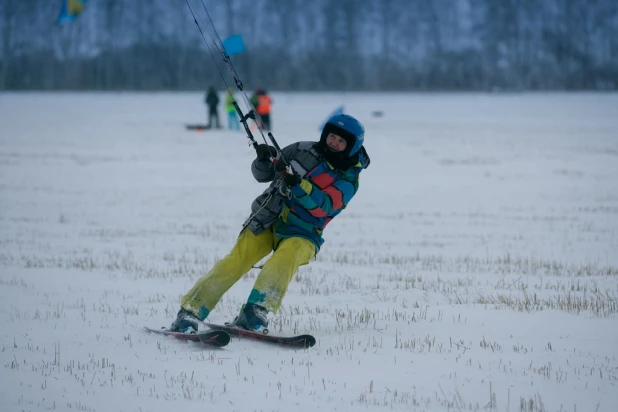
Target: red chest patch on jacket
x=322, y=180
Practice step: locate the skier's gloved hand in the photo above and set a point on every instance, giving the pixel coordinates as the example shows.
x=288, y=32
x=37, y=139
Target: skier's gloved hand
x=264, y=151
x=291, y=179
x=280, y=166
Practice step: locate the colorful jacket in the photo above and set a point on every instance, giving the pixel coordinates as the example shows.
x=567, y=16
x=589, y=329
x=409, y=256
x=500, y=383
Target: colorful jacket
x=321, y=195
x=229, y=103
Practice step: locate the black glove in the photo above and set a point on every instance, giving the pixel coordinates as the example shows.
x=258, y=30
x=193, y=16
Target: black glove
x=280, y=166
x=264, y=151
x=291, y=179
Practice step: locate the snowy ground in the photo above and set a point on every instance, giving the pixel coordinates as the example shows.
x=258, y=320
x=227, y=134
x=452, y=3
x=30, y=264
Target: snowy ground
x=476, y=270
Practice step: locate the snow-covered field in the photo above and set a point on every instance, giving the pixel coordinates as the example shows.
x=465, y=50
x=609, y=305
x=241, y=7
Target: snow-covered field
x=476, y=269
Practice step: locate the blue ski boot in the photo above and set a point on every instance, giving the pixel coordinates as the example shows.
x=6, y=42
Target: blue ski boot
x=185, y=322
x=252, y=317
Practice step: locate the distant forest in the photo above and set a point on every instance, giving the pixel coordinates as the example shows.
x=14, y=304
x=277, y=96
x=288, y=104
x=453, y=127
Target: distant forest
x=314, y=45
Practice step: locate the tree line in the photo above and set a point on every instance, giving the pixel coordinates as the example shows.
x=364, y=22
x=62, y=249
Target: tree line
x=314, y=45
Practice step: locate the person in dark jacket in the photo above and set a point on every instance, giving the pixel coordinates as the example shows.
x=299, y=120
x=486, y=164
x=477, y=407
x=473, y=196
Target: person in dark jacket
x=287, y=219
x=212, y=101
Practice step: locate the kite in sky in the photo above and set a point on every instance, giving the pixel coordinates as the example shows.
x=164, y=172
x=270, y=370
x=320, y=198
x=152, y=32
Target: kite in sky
x=70, y=10
x=234, y=45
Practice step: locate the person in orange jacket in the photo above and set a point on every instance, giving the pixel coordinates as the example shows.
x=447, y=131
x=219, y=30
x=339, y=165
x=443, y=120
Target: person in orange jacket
x=262, y=103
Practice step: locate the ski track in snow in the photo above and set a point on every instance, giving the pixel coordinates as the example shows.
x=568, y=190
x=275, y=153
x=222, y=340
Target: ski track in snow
x=476, y=269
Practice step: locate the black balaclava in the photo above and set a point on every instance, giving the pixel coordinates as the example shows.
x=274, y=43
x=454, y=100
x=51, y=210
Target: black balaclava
x=340, y=160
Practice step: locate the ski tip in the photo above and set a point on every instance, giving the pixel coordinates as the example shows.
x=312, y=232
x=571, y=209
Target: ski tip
x=149, y=329
x=309, y=341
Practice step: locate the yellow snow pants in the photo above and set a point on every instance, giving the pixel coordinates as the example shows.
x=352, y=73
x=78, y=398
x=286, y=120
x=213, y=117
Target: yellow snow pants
x=272, y=282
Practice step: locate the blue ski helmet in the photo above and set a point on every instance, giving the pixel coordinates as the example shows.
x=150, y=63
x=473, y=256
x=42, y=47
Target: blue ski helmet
x=348, y=128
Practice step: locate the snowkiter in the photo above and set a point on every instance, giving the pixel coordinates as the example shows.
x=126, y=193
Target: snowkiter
x=212, y=101
x=263, y=105
x=232, y=117
x=288, y=219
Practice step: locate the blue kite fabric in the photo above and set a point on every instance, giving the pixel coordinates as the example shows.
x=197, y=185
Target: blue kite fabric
x=70, y=10
x=234, y=45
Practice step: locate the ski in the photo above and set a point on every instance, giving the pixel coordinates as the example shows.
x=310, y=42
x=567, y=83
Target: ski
x=215, y=338
x=299, y=341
